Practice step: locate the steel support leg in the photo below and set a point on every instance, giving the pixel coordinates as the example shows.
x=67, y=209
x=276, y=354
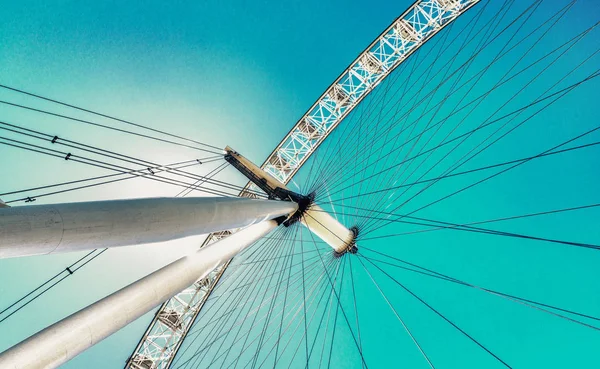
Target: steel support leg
x=46, y=229
x=65, y=339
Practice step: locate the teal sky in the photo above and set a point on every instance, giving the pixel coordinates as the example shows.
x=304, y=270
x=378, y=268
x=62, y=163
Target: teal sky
x=241, y=73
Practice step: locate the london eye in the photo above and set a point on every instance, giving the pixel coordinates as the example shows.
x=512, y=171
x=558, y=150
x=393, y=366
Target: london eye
x=435, y=207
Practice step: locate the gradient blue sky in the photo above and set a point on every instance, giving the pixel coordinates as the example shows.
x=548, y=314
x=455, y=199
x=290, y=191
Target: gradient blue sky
x=240, y=73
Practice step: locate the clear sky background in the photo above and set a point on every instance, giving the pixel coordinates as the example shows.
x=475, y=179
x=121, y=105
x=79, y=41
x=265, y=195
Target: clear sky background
x=241, y=73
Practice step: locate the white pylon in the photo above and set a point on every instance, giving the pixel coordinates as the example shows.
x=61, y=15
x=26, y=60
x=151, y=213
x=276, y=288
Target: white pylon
x=65, y=339
x=46, y=229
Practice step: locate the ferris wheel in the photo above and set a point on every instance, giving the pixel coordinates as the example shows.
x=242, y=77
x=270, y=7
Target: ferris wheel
x=381, y=230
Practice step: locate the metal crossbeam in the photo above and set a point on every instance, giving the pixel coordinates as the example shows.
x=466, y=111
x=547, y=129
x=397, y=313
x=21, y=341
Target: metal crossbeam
x=159, y=345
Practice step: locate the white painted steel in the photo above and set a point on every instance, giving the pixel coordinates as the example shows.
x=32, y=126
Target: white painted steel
x=46, y=229
x=327, y=228
x=419, y=23
x=65, y=339
x=404, y=36
x=161, y=341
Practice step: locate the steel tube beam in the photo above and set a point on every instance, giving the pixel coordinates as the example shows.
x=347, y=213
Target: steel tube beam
x=65, y=339
x=328, y=229
x=47, y=229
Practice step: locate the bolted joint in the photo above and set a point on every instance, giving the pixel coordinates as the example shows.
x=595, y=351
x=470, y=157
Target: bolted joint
x=274, y=189
x=304, y=203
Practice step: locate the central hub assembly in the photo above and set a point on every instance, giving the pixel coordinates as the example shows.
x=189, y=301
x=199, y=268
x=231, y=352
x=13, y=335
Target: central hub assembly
x=311, y=215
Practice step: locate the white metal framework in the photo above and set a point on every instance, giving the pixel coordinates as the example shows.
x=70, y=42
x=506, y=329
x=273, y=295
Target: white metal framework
x=425, y=18
x=403, y=37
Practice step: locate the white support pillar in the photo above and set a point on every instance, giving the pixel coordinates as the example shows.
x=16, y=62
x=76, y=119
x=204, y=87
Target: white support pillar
x=46, y=229
x=65, y=339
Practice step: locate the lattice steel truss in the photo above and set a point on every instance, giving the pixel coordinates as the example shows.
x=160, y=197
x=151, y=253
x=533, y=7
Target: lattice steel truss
x=159, y=345
x=409, y=31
